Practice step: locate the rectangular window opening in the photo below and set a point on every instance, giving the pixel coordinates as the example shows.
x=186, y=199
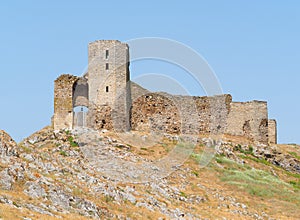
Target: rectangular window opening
x=106, y=66
x=106, y=89
x=106, y=54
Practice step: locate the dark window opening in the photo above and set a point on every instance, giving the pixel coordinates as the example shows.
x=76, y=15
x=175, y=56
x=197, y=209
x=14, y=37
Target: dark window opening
x=106, y=89
x=103, y=123
x=106, y=66
x=106, y=54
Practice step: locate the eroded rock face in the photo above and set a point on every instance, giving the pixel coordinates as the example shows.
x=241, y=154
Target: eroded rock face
x=8, y=147
x=6, y=181
x=8, y=150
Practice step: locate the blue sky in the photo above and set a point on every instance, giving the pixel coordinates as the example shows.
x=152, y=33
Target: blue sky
x=252, y=46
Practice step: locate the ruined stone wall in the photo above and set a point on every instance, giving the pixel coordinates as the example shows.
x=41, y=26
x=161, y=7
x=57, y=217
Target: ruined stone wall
x=201, y=115
x=108, y=77
x=272, y=130
x=100, y=117
x=178, y=114
x=63, y=102
x=213, y=113
x=249, y=119
x=155, y=112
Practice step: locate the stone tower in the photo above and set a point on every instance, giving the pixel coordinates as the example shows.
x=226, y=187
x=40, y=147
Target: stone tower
x=108, y=78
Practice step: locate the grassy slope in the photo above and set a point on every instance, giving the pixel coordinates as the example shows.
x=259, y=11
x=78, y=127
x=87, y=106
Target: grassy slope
x=262, y=187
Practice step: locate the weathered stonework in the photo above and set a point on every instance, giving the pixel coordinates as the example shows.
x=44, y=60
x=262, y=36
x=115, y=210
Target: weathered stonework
x=108, y=74
x=63, y=101
x=100, y=117
x=272, y=126
x=180, y=114
x=249, y=119
x=116, y=103
x=154, y=112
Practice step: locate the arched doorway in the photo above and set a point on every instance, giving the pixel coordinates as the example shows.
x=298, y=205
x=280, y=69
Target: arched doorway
x=80, y=103
x=80, y=116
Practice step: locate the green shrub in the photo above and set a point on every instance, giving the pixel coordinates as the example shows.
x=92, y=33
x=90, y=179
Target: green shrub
x=72, y=142
x=224, y=160
x=295, y=184
x=296, y=175
x=294, y=154
x=195, y=173
x=240, y=149
x=63, y=153
x=109, y=199
x=263, y=161
x=196, y=157
x=183, y=194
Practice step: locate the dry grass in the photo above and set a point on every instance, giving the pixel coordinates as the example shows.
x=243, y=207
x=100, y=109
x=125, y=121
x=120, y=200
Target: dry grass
x=253, y=184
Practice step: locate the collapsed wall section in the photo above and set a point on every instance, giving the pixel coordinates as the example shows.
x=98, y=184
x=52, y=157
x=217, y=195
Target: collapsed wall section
x=63, y=102
x=250, y=120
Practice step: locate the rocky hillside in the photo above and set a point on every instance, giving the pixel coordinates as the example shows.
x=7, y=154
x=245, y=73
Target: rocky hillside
x=84, y=174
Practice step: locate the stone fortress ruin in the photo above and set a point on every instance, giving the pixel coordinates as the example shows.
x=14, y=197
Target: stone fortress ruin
x=105, y=98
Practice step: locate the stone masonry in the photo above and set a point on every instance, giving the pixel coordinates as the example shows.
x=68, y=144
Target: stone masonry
x=108, y=77
x=272, y=130
x=249, y=119
x=116, y=103
x=63, y=102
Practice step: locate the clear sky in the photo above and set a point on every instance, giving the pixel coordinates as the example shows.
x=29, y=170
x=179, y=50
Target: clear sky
x=252, y=46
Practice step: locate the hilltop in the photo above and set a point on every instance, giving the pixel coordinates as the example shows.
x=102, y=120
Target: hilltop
x=87, y=174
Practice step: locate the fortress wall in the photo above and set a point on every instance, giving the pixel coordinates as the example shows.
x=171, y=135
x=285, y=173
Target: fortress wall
x=179, y=114
x=272, y=129
x=203, y=115
x=213, y=113
x=154, y=112
x=249, y=119
x=100, y=117
x=63, y=102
